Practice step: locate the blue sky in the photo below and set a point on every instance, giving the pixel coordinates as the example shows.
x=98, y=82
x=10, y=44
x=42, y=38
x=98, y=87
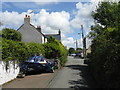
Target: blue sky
x=24, y=6
x=69, y=16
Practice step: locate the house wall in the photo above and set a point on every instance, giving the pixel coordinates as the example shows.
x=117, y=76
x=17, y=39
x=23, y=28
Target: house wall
x=43, y=39
x=11, y=72
x=30, y=34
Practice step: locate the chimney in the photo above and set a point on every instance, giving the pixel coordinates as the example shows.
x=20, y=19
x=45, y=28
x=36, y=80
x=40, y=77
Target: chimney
x=59, y=32
x=38, y=28
x=27, y=19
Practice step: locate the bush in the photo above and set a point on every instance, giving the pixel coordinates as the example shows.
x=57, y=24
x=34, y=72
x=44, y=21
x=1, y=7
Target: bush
x=11, y=34
x=55, y=49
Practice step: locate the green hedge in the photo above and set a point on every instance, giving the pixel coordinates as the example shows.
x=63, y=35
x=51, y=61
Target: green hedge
x=16, y=50
x=55, y=49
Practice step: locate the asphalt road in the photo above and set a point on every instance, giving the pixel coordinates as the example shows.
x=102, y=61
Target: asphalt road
x=75, y=74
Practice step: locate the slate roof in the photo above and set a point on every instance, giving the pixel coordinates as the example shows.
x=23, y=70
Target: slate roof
x=57, y=36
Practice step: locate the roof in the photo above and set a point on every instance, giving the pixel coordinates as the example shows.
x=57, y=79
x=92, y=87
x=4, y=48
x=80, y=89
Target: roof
x=57, y=36
x=33, y=27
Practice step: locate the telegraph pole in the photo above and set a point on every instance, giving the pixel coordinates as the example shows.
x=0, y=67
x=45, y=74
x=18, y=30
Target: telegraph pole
x=76, y=45
x=84, y=43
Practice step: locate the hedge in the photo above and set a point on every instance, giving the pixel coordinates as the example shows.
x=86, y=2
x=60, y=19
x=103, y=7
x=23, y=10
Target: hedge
x=16, y=50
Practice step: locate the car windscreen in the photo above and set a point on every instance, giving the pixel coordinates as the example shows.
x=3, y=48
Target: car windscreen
x=36, y=58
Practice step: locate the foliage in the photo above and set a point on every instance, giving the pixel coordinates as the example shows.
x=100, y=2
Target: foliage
x=12, y=50
x=71, y=50
x=55, y=49
x=105, y=57
x=35, y=48
x=11, y=34
x=20, y=51
x=78, y=50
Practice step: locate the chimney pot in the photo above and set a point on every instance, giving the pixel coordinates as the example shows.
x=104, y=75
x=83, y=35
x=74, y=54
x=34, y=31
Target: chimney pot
x=39, y=28
x=26, y=15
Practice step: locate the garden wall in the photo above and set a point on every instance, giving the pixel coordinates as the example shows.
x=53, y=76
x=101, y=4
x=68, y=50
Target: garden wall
x=8, y=71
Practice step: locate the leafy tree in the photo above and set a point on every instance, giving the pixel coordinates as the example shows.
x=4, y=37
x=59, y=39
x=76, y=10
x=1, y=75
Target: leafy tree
x=11, y=34
x=105, y=46
x=71, y=50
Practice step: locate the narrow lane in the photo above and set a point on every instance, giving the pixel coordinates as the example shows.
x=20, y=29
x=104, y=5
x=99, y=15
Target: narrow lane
x=75, y=74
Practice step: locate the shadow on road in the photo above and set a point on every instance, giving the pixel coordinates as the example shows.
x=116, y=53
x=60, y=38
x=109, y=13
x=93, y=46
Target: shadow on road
x=86, y=80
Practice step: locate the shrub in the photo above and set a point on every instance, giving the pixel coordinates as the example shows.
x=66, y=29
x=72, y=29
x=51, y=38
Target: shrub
x=55, y=49
x=11, y=34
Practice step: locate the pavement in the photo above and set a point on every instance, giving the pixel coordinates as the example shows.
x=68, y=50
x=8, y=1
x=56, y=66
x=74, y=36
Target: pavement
x=74, y=74
x=32, y=81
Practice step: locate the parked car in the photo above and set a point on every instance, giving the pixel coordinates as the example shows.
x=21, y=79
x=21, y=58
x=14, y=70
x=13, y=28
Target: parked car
x=77, y=55
x=36, y=64
x=72, y=54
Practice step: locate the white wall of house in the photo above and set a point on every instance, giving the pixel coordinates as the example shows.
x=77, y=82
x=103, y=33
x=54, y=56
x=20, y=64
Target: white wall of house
x=43, y=39
x=10, y=74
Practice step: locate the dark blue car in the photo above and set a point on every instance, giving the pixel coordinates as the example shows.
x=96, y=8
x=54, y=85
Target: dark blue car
x=37, y=64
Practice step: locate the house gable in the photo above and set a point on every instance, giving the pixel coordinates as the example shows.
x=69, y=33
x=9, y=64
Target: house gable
x=29, y=32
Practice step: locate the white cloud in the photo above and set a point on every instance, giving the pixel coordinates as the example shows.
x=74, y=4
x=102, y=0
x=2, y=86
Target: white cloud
x=13, y=19
x=83, y=16
x=69, y=42
x=50, y=22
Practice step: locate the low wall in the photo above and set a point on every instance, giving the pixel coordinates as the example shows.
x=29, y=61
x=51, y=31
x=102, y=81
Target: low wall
x=8, y=71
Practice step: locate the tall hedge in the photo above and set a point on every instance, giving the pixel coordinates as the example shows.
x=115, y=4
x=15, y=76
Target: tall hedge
x=16, y=50
x=105, y=56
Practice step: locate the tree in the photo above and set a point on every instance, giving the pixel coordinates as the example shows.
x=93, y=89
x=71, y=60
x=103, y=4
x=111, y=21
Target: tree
x=106, y=44
x=11, y=34
x=71, y=50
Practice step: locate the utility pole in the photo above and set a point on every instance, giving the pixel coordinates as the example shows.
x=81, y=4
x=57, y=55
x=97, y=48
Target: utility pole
x=84, y=43
x=76, y=45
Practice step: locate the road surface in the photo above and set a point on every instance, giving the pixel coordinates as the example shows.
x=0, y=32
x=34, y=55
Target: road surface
x=74, y=74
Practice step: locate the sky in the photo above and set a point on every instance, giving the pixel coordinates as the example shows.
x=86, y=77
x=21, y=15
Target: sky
x=52, y=15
